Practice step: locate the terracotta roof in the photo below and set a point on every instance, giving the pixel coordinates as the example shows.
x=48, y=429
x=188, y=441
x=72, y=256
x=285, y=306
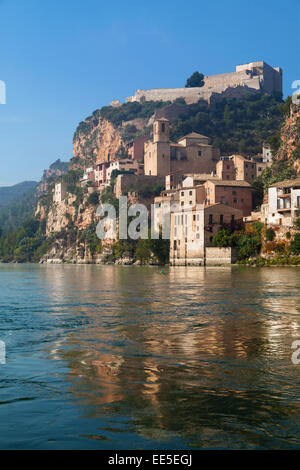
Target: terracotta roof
x=286, y=184
x=194, y=135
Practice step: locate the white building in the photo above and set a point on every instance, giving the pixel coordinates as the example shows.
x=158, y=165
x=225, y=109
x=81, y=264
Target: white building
x=59, y=192
x=123, y=165
x=284, y=201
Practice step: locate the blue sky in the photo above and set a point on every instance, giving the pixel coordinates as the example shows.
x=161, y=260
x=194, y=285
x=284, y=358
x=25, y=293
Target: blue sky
x=62, y=59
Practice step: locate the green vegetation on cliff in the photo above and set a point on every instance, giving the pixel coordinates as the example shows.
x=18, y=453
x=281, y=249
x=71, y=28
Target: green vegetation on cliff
x=234, y=125
x=116, y=115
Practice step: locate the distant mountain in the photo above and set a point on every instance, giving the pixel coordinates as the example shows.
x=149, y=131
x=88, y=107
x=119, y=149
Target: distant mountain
x=17, y=203
x=20, y=190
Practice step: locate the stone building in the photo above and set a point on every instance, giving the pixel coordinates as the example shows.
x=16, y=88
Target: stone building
x=255, y=76
x=60, y=191
x=192, y=231
x=124, y=165
x=236, y=194
x=239, y=167
x=191, y=154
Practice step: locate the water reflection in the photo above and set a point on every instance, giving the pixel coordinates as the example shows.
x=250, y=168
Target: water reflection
x=197, y=354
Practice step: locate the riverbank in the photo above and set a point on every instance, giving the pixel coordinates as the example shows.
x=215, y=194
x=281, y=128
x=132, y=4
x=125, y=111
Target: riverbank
x=276, y=261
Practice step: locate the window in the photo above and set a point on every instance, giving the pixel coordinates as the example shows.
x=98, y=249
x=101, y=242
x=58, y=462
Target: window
x=190, y=193
x=194, y=218
x=235, y=201
x=246, y=165
x=233, y=192
x=210, y=219
x=163, y=155
x=185, y=219
x=232, y=218
x=191, y=202
x=198, y=215
x=210, y=239
x=227, y=167
x=182, y=193
x=221, y=218
x=175, y=232
x=163, y=127
x=252, y=166
x=197, y=236
x=199, y=153
x=182, y=203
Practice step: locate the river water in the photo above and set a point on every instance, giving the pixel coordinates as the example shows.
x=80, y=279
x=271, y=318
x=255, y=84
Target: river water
x=107, y=357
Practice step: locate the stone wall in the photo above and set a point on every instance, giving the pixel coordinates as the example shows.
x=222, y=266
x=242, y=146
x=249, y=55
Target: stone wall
x=215, y=256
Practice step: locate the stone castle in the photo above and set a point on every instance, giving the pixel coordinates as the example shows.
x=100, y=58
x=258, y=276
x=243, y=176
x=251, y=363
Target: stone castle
x=252, y=77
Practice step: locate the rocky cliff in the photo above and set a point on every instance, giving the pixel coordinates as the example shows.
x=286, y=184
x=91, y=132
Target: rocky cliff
x=289, y=149
x=98, y=141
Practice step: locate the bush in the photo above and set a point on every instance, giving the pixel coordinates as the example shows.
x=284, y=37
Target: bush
x=270, y=235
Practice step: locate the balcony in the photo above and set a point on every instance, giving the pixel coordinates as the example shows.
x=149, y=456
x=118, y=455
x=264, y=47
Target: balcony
x=284, y=203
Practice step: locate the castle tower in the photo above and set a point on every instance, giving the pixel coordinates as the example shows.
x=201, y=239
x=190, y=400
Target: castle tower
x=161, y=130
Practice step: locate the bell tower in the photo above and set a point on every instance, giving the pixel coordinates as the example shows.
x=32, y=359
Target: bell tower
x=161, y=130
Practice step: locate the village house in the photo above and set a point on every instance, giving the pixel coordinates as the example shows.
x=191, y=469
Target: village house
x=191, y=154
x=236, y=194
x=192, y=230
x=207, y=190
x=282, y=205
x=125, y=164
x=89, y=175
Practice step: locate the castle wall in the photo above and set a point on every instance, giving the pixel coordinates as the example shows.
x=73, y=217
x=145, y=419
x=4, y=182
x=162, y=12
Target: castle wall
x=255, y=76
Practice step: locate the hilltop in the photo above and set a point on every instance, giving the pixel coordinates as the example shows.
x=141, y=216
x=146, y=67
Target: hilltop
x=233, y=125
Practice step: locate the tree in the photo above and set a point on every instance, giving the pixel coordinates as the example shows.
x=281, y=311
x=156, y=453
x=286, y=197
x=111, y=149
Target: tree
x=195, y=80
x=295, y=245
x=93, y=199
x=223, y=238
